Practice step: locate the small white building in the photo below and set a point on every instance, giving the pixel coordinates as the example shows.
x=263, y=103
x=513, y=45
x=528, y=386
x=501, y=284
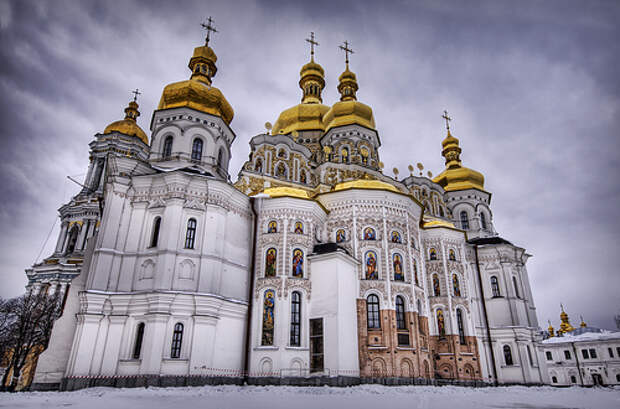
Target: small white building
x=584, y=356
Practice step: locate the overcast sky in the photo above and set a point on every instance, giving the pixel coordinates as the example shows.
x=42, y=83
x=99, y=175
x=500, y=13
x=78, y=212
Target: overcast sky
x=532, y=86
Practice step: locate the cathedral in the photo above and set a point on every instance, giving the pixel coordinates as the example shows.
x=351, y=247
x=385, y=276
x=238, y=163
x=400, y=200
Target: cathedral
x=312, y=266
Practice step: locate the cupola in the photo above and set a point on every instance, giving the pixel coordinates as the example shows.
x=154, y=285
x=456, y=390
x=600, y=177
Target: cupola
x=197, y=92
x=129, y=126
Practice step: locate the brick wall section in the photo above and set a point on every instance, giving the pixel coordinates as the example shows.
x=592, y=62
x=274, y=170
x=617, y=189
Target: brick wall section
x=451, y=360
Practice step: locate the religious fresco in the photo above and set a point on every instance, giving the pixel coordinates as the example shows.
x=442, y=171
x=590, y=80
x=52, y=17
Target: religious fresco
x=396, y=237
x=441, y=325
x=272, y=227
x=369, y=234
x=452, y=255
x=281, y=171
x=397, y=262
x=456, y=285
x=298, y=263
x=268, y=317
x=433, y=254
x=371, y=266
x=340, y=236
x=299, y=228
x=436, y=288
x=270, y=263
x=302, y=177
x=415, y=272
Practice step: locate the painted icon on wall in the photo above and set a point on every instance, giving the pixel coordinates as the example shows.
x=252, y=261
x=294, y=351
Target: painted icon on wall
x=270, y=263
x=369, y=234
x=298, y=263
x=396, y=237
x=371, y=266
x=341, y=236
x=272, y=227
x=299, y=228
x=397, y=262
x=268, y=317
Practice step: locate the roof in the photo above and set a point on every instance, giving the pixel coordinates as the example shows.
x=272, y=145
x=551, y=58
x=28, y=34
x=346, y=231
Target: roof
x=585, y=334
x=489, y=240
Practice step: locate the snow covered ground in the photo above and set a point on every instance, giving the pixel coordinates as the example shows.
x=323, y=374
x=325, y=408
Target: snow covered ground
x=280, y=397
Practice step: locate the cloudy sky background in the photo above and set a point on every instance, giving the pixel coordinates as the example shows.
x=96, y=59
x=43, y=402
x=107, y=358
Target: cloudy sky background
x=532, y=86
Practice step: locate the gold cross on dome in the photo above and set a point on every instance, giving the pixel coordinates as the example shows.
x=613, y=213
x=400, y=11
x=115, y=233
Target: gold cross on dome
x=447, y=118
x=312, y=44
x=346, y=50
x=135, y=93
x=210, y=28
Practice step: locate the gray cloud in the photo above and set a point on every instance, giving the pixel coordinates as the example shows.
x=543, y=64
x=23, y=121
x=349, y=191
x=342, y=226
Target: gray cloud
x=532, y=87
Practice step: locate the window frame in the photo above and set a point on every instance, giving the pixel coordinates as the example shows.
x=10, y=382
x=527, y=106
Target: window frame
x=401, y=321
x=177, y=341
x=155, y=231
x=373, y=312
x=508, y=359
x=139, y=338
x=166, y=152
x=197, y=147
x=464, y=219
x=295, y=320
x=190, y=233
x=495, y=290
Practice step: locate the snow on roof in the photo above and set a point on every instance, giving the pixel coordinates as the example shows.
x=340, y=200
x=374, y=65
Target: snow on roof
x=584, y=335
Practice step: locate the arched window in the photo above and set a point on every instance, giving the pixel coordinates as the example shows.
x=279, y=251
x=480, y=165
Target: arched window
x=167, y=153
x=372, y=312
x=495, y=287
x=220, y=157
x=436, y=287
x=177, y=340
x=137, y=347
x=295, y=319
x=432, y=254
x=441, y=325
x=451, y=255
x=464, y=220
x=508, y=355
x=415, y=272
x=456, y=285
x=155, y=234
x=258, y=165
x=73, y=237
x=369, y=234
x=400, y=313
x=397, y=263
x=270, y=262
x=441, y=213
x=460, y=326
x=371, y=266
x=298, y=263
x=190, y=234
x=573, y=379
x=197, y=149
x=483, y=221
x=269, y=303
x=516, y=286
x=554, y=379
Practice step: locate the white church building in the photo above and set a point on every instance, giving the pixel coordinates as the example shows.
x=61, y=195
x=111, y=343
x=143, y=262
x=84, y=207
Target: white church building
x=313, y=267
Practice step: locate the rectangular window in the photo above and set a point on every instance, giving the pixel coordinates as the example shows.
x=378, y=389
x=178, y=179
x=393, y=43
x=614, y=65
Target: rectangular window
x=611, y=352
x=592, y=353
x=403, y=339
x=585, y=354
x=316, y=345
x=567, y=354
x=549, y=356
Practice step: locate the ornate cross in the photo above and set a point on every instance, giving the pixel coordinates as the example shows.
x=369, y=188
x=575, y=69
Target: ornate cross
x=447, y=118
x=135, y=94
x=312, y=44
x=346, y=50
x=210, y=28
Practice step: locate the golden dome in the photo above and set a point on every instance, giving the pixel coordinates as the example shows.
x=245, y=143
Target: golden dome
x=348, y=113
x=456, y=176
x=128, y=126
x=348, y=110
x=197, y=92
x=309, y=114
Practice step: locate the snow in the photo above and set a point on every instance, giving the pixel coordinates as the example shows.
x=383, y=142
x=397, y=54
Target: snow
x=358, y=397
x=604, y=335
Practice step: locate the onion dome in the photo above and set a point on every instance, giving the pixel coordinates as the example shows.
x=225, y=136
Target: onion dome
x=197, y=92
x=456, y=176
x=551, y=330
x=128, y=126
x=348, y=110
x=309, y=114
x=565, y=325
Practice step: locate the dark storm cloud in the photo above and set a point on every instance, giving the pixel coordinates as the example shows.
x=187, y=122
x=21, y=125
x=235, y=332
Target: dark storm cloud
x=532, y=87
